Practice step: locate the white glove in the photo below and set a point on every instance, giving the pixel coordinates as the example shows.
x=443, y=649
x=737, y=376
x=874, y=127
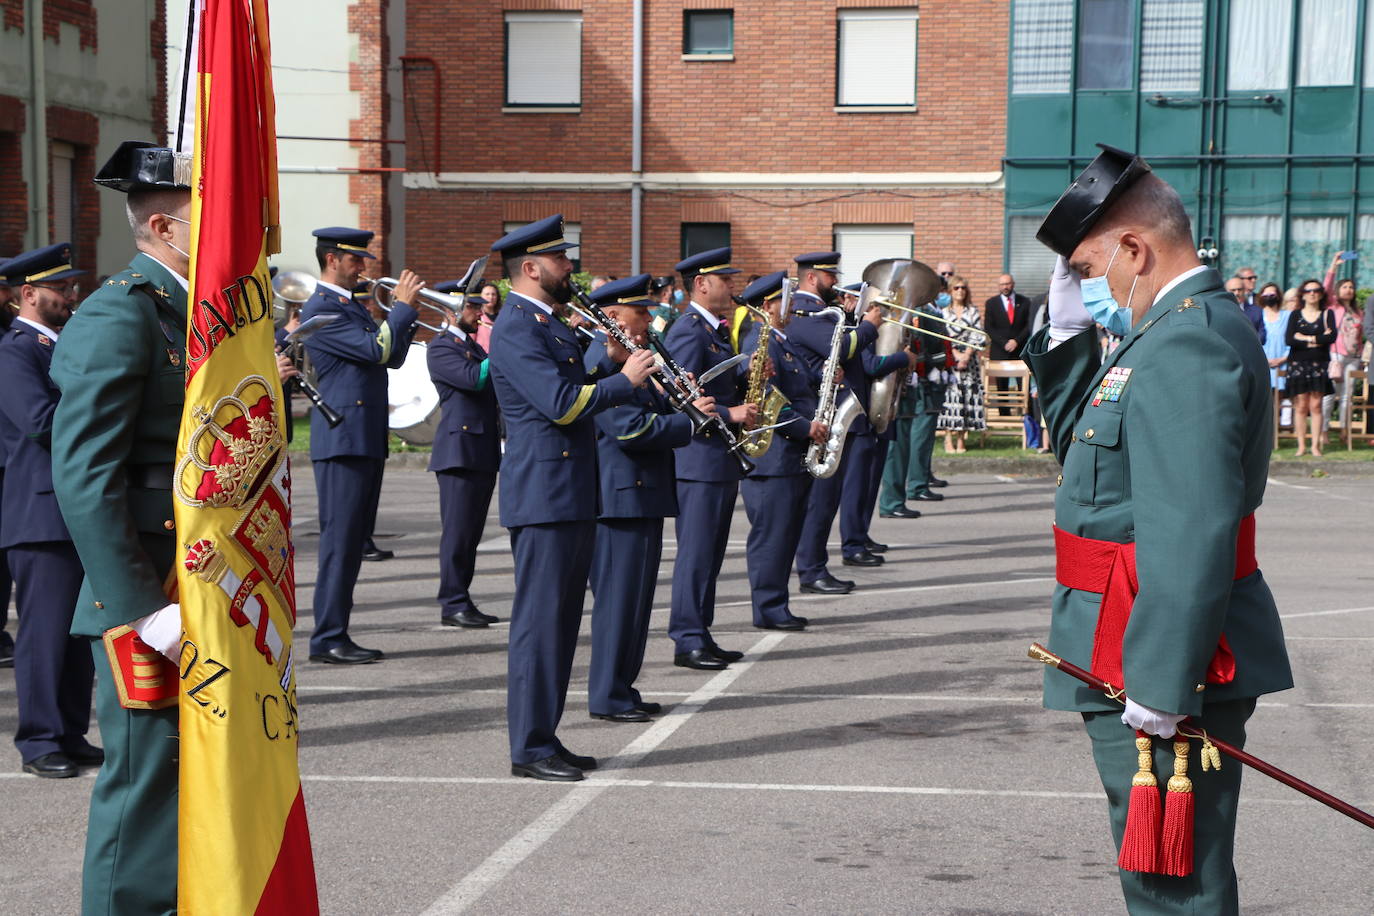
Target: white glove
x=1150, y=721
x=1068, y=317
x=161, y=630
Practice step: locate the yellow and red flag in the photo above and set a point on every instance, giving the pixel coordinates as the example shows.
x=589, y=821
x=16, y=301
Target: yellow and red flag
x=244, y=845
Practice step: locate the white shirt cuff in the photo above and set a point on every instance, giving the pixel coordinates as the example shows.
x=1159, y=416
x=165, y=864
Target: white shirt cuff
x=162, y=630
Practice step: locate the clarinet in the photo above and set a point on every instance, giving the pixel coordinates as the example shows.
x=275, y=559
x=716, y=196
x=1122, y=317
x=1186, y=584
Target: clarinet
x=680, y=391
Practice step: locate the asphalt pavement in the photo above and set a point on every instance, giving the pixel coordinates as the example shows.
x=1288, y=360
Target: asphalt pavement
x=893, y=758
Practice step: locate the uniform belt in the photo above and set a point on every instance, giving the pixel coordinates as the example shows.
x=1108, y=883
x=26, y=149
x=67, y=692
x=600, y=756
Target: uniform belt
x=149, y=476
x=1108, y=569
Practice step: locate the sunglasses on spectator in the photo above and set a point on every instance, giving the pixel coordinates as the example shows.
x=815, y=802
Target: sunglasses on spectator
x=964, y=288
x=1245, y=277
x=946, y=273
x=1312, y=289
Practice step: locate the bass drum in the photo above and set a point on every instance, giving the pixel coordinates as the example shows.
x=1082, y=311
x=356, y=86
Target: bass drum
x=413, y=399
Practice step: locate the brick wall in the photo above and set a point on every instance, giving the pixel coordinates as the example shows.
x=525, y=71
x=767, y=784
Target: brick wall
x=771, y=109
x=82, y=130
x=367, y=77
x=13, y=12
x=80, y=13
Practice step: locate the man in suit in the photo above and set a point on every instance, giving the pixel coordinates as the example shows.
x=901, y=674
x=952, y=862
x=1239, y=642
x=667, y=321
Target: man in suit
x=634, y=445
x=1165, y=448
x=775, y=494
x=846, y=491
x=121, y=367
x=548, y=484
x=465, y=457
x=351, y=355
x=707, y=477
x=1244, y=294
x=1006, y=317
x=53, y=669
x=6, y=640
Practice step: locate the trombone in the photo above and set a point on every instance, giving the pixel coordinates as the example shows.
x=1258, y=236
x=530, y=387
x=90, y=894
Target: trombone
x=442, y=303
x=979, y=339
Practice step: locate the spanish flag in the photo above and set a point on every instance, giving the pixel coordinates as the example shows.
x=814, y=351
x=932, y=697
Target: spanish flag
x=244, y=845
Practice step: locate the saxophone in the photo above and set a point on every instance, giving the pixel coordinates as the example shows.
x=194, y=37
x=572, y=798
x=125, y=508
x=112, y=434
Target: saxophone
x=771, y=402
x=823, y=459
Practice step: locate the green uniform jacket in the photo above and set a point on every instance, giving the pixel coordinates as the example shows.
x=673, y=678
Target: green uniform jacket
x=121, y=365
x=1173, y=464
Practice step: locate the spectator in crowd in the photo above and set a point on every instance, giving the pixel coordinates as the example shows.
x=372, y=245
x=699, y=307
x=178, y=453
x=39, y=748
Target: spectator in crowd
x=491, y=307
x=1311, y=332
x=1290, y=299
x=1345, y=352
x=1275, y=331
x=945, y=269
x=1247, y=278
x=1007, y=318
x=598, y=282
x=1236, y=287
x=963, y=408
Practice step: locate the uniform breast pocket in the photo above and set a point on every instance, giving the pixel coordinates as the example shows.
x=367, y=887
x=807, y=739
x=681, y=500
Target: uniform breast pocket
x=171, y=385
x=1095, y=467
x=470, y=427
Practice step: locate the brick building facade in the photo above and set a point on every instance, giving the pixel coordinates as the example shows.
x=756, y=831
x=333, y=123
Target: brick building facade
x=765, y=136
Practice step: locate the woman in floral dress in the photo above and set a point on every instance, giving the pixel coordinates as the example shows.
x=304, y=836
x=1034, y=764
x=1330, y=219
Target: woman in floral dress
x=964, y=399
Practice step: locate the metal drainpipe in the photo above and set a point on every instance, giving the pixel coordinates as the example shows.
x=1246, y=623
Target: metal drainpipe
x=637, y=136
x=38, y=134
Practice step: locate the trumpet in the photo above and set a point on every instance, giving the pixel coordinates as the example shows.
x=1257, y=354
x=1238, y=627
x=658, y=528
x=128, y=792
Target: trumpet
x=978, y=338
x=441, y=303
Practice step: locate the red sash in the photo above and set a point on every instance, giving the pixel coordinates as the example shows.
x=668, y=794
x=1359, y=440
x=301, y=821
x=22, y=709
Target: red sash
x=1107, y=568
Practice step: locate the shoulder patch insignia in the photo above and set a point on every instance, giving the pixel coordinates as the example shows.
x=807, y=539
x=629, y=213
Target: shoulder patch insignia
x=1113, y=385
x=541, y=318
x=714, y=348
x=163, y=293
x=1187, y=304
x=136, y=276
x=45, y=340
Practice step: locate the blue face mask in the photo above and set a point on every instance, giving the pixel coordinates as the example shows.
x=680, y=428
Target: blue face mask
x=1102, y=306
x=943, y=300
x=677, y=297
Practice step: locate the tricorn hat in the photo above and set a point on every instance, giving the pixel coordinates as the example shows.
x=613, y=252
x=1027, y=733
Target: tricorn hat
x=1092, y=194
x=140, y=166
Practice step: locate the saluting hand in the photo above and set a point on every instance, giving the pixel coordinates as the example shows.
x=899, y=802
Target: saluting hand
x=638, y=367
x=408, y=285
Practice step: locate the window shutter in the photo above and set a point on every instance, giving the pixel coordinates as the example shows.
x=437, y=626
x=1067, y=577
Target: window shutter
x=63, y=198
x=877, y=57
x=861, y=245
x=544, y=58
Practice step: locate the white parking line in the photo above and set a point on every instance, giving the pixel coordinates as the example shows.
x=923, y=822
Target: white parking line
x=904, y=590
x=1344, y=610
x=521, y=846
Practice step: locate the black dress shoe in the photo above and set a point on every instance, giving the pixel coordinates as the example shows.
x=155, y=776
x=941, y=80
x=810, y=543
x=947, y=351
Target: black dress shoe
x=828, y=585
x=56, y=765
x=489, y=618
x=87, y=756
x=347, y=654
x=863, y=558
x=625, y=715
x=902, y=512
x=374, y=553
x=469, y=619
x=928, y=496
x=651, y=709
x=576, y=760
x=700, y=659
x=550, y=769
x=874, y=547
x=792, y=623
x=725, y=655
x=937, y=482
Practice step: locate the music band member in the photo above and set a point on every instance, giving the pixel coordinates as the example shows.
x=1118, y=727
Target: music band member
x=634, y=445
x=465, y=457
x=52, y=669
x=775, y=494
x=351, y=355
x=548, y=485
x=707, y=478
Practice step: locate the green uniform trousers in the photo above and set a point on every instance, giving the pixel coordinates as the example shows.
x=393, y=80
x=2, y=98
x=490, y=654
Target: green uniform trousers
x=131, y=838
x=906, y=471
x=1211, y=889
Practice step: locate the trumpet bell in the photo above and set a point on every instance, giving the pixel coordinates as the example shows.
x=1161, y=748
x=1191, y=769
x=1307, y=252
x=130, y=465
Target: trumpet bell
x=294, y=285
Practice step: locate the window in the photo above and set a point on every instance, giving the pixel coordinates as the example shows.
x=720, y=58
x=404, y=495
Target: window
x=708, y=33
x=877, y=58
x=572, y=232
x=1253, y=241
x=1028, y=260
x=1326, y=54
x=1171, y=45
x=1259, y=44
x=699, y=237
x=63, y=192
x=1106, y=44
x=544, y=59
x=1041, y=46
x=861, y=245
x=1311, y=242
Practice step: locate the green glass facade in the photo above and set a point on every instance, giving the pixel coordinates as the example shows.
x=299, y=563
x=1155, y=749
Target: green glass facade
x=1260, y=113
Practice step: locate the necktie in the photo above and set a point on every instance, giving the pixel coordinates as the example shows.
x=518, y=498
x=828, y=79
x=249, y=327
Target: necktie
x=1011, y=309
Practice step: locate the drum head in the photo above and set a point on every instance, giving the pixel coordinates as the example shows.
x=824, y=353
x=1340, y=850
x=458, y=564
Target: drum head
x=413, y=399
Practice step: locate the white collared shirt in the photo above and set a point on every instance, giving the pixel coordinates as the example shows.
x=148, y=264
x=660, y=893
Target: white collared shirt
x=1175, y=282
x=338, y=289
x=712, y=320
x=457, y=332
x=185, y=284
x=42, y=329
x=548, y=309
